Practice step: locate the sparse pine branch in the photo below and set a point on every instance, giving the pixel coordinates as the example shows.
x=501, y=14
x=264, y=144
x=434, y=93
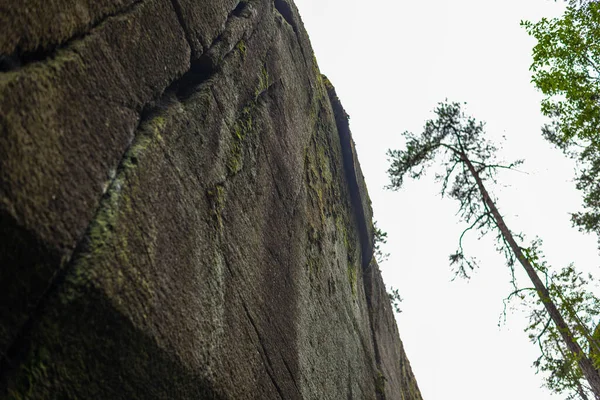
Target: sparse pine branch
x=379, y=239
x=395, y=299
x=458, y=144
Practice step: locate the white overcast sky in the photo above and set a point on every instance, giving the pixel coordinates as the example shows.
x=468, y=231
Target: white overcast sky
x=391, y=63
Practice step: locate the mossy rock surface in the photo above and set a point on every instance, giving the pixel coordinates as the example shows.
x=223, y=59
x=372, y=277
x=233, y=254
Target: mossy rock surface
x=66, y=122
x=182, y=212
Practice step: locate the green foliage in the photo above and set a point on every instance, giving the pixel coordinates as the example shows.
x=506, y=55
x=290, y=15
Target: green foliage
x=379, y=238
x=395, y=299
x=451, y=139
x=595, y=347
x=566, y=69
x=570, y=291
x=575, y=3
x=458, y=143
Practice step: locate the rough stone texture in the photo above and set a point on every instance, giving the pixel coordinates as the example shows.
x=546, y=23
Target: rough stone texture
x=182, y=211
x=397, y=376
x=66, y=122
x=30, y=28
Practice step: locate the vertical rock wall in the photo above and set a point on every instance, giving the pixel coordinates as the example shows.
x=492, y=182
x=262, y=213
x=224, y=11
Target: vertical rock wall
x=182, y=213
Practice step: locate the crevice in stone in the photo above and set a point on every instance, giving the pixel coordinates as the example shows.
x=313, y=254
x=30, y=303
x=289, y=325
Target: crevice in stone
x=286, y=12
x=179, y=13
x=200, y=72
x=238, y=11
x=153, y=108
x=14, y=61
x=350, y=171
x=20, y=59
x=265, y=356
x=289, y=370
x=242, y=10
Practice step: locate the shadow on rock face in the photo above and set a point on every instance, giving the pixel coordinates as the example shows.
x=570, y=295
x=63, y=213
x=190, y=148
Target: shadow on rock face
x=87, y=350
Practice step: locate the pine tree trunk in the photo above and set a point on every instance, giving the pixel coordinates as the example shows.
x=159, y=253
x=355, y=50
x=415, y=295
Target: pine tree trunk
x=584, y=362
x=581, y=392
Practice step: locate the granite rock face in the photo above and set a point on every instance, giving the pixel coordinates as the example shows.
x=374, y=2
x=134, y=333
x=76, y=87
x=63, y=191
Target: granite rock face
x=182, y=212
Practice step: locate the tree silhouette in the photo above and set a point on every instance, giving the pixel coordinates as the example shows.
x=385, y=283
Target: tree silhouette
x=457, y=142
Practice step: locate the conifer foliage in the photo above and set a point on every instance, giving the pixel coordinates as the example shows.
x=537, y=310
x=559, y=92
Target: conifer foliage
x=560, y=308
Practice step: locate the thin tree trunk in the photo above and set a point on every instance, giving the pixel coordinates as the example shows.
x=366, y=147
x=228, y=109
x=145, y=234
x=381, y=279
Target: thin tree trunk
x=584, y=362
x=581, y=392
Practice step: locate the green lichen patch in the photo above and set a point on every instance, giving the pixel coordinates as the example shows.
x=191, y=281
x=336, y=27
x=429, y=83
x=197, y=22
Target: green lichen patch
x=216, y=197
x=319, y=168
x=114, y=234
x=331, y=220
x=246, y=124
x=241, y=48
x=352, y=272
x=380, y=380
x=327, y=82
x=264, y=82
x=243, y=127
x=315, y=257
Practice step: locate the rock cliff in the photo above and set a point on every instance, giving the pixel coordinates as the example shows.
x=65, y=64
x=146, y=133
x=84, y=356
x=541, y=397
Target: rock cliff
x=182, y=212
